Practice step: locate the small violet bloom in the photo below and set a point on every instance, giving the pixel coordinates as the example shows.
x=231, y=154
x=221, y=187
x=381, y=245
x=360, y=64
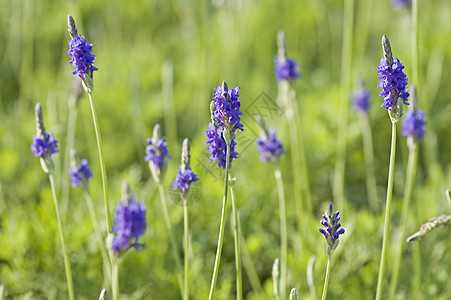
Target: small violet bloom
x=44, y=146
x=413, y=123
x=129, y=225
x=157, y=152
x=331, y=228
x=398, y=4
x=361, y=100
x=393, y=82
x=286, y=69
x=225, y=115
x=81, y=57
x=80, y=174
x=184, y=179
x=269, y=147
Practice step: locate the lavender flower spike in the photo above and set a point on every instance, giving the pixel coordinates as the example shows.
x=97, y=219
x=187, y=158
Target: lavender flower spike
x=157, y=154
x=185, y=176
x=225, y=120
x=285, y=68
x=269, y=147
x=80, y=173
x=129, y=223
x=414, y=121
x=44, y=143
x=361, y=100
x=331, y=229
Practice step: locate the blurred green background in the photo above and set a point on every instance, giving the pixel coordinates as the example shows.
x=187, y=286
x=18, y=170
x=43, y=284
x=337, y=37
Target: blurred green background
x=158, y=63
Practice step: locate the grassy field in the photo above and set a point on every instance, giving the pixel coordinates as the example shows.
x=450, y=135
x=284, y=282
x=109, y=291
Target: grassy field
x=158, y=63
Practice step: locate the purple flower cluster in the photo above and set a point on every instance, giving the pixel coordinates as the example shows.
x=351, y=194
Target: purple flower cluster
x=331, y=228
x=184, y=179
x=286, y=69
x=44, y=146
x=129, y=225
x=226, y=116
x=393, y=82
x=80, y=174
x=413, y=123
x=81, y=57
x=361, y=100
x=269, y=147
x=157, y=152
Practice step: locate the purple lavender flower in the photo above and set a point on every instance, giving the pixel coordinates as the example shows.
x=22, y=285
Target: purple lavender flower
x=361, y=100
x=413, y=123
x=129, y=224
x=44, y=146
x=157, y=152
x=331, y=228
x=286, y=69
x=225, y=115
x=393, y=82
x=81, y=57
x=184, y=179
x=269, y=147
x=398, y=4
x=80, y=174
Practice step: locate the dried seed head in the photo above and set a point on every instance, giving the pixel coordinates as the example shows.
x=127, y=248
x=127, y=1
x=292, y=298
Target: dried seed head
x=40, y=128
x=386, y=48
x=72, y=28
x=186, y=157
x=281, y=46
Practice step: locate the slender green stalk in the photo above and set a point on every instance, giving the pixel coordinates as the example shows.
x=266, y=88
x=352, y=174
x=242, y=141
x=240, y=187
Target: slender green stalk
x=346, y=55
x=411, y=171
x=326, y=280
x=391, y=172
x=249, y=268
x=98, y=234
x=174, y=246
x=236, y=236
x=102, y=164
x=70, y=287
x=369, y=161
x=115, y=280
x=222, y=225
x=185, y=223
x=283, y=234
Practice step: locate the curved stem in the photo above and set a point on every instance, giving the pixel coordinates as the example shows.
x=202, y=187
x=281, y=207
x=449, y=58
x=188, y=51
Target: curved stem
x=102, y=164
x=387, y=211
x=174, y=246
x=70, y=287
x=411, y=171
x=185, y=213
x=221, y=227
x=115, y=281
x=283, y=234
x=326, y=280
x=236, y=236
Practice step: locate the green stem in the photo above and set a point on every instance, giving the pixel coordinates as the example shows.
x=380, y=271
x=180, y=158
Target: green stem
x=102, y=164
x=411, y=171
x=174, y=246
x=185, y=212
x=283, y=234
x=98, y=234
x=387, y=212
x=236, y=236
x=346, y=54
x=221, y=227
x=70, y=288
x=326, y=280
x=369, y=161
x=115, y=281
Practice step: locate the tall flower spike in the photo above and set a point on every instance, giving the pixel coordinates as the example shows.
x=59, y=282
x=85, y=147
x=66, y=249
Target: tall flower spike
x=80, y=52
x=414, y=121
x=80, y=172
x=285, y=68
x=185, y=176
x=157, y=154
x=129, y=223
x=225, y=121
x=393, y=82
x=332, y=229
x=44, y=143
x=269, y=147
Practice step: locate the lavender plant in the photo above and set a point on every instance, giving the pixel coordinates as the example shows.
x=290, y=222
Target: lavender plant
x=129, y=225
x=332, y=231
x=225, y=121
x=393, y=82
x=270, y=149
x=83, y=60
x=44, y=146
x=185, y=176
